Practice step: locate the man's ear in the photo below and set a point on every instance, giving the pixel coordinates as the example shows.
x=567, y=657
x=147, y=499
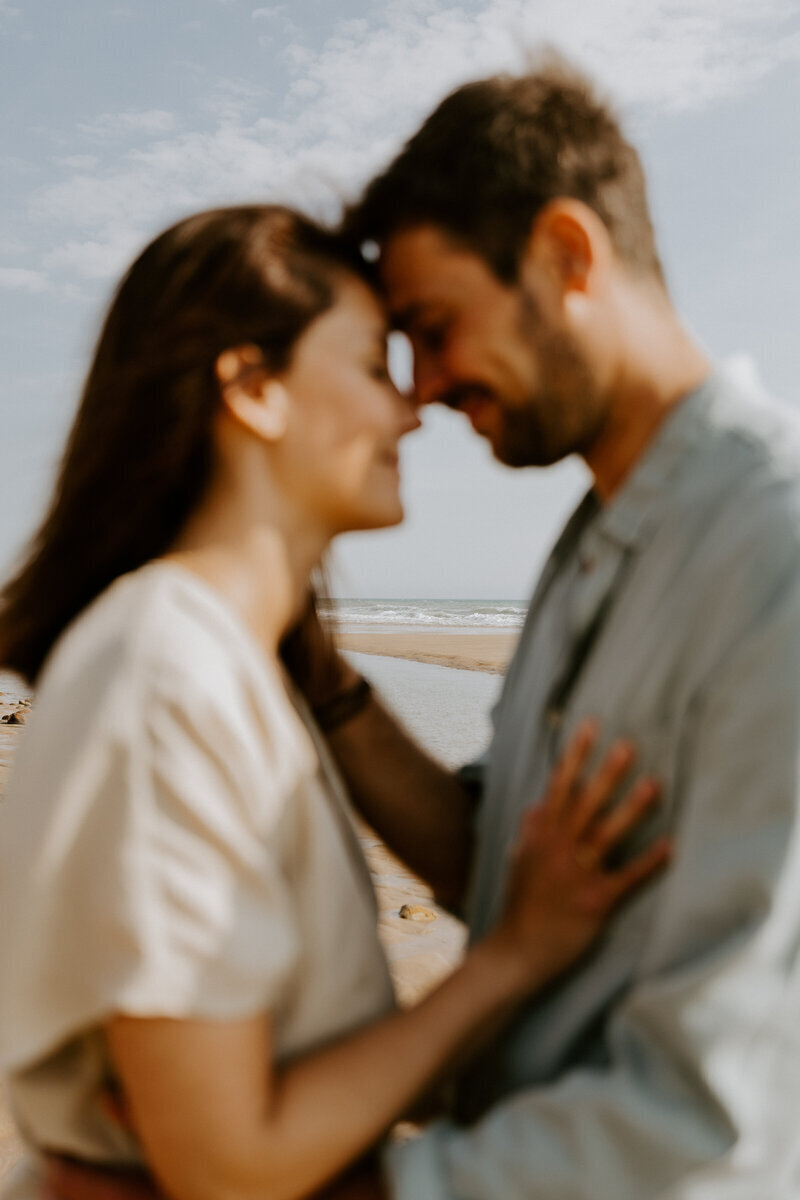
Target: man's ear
x=568, y=241
x=250, y=395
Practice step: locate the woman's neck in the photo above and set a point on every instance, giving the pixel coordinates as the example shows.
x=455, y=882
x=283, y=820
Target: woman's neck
x=262, y=568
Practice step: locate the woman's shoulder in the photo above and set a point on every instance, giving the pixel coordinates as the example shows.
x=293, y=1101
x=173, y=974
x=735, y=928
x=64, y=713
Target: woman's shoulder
x=156, y=680
x=159, y=638
x=159, y=627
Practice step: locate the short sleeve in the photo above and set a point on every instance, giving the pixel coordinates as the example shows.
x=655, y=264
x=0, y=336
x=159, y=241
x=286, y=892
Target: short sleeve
x=156, y=882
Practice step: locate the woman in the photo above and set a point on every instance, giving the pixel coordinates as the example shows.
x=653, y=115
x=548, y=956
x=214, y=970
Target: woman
x=191, y=977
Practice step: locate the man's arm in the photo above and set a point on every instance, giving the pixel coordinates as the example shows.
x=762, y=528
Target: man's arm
x=704, y=1057
x=422, y=811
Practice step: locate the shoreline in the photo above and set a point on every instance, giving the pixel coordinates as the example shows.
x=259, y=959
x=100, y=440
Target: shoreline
x=485, y=649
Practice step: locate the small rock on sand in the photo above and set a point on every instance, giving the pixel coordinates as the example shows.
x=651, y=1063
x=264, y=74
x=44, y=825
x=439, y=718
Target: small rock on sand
x=417, y=912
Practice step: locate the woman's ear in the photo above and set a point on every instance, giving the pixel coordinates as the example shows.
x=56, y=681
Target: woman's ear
x=250, y=395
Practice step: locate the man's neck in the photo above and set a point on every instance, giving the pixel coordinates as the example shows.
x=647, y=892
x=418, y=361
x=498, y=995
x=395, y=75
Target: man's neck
x=648, y=387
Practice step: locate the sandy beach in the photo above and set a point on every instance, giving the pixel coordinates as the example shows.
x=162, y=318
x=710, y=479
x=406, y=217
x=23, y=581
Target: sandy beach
x=479, y=650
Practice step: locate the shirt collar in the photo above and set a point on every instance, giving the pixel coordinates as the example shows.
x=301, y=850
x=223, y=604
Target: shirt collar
x=631, y=513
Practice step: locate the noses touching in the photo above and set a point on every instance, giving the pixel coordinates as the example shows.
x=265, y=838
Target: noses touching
x=431, y=382
x=411, y=404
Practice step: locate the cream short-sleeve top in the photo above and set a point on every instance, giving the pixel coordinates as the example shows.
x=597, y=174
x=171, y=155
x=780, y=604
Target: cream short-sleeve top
x=174, y=842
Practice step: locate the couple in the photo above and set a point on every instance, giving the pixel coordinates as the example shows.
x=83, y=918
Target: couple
x=190, y=974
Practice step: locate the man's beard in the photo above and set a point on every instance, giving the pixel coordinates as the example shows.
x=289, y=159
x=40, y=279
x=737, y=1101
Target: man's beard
x=566, y=414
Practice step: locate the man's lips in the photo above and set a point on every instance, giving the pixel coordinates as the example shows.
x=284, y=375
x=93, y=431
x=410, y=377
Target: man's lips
x=477, y=409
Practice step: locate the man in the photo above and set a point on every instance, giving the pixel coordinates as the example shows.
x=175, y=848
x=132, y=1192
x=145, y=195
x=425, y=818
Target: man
x=517, y=253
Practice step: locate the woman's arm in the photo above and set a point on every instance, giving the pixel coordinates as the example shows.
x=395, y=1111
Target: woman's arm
x=215, y=1121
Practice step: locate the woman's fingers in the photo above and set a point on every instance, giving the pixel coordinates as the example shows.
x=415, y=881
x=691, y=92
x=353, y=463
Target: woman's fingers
x=634, y=874
x=613, y=826
x=600, y=787
x=567, y=772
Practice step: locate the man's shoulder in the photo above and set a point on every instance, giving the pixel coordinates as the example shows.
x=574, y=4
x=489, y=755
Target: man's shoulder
x=748, y=428
x=743, y=478
x=736, y=519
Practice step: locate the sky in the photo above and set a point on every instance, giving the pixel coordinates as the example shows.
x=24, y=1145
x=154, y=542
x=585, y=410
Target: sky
x=120, y=118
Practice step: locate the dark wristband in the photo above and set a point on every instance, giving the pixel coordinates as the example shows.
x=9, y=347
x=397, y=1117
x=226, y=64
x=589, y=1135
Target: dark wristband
x=344, y=706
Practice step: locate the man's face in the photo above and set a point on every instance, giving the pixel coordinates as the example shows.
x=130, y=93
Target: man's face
x=491, y=350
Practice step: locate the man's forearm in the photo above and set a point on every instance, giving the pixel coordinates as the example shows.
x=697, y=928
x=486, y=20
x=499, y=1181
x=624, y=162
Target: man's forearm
x=421, y=810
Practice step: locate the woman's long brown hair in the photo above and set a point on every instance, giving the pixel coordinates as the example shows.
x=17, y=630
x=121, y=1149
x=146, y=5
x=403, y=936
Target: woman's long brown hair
x=140, y=454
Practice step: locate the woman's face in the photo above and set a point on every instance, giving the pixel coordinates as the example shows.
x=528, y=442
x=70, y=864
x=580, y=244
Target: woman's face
x=339, y=455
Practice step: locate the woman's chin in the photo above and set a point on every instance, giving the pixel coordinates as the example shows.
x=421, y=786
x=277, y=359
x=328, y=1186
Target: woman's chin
x=377, y=517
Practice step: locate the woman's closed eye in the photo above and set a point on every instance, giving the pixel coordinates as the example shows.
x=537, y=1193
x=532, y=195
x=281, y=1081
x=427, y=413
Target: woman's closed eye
x=380, y=371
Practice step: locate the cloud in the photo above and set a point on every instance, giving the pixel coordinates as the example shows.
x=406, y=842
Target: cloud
x=6, y=16
x=21, y=279
x=277, y=19
x=95, y=259
x=79, y=162
x=350, y=101
x=11, y=245
x=146, y=123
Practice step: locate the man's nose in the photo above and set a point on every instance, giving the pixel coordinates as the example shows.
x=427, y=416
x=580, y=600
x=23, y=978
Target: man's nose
x=430, y=381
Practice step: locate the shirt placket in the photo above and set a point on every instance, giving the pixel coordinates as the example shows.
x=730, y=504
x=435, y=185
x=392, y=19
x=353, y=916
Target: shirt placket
x=600, y=567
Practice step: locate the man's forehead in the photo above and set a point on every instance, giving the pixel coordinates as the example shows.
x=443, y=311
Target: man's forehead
x=418, y=251
x=423, y=269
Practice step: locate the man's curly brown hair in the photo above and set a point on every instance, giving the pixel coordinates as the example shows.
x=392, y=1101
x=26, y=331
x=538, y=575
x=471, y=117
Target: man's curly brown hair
x=496, y=151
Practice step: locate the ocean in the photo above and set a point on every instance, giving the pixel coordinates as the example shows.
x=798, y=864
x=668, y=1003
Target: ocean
x=472, y=615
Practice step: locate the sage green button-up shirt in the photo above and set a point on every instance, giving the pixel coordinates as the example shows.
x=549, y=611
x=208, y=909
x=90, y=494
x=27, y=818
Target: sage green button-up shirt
x=667, y=1064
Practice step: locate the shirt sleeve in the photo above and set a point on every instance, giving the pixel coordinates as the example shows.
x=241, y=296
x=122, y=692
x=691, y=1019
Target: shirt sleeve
x=699, y=1099
x=210, y=905
x=157, y=886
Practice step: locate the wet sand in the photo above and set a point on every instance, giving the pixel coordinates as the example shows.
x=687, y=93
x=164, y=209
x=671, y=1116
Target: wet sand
x=479, y=651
